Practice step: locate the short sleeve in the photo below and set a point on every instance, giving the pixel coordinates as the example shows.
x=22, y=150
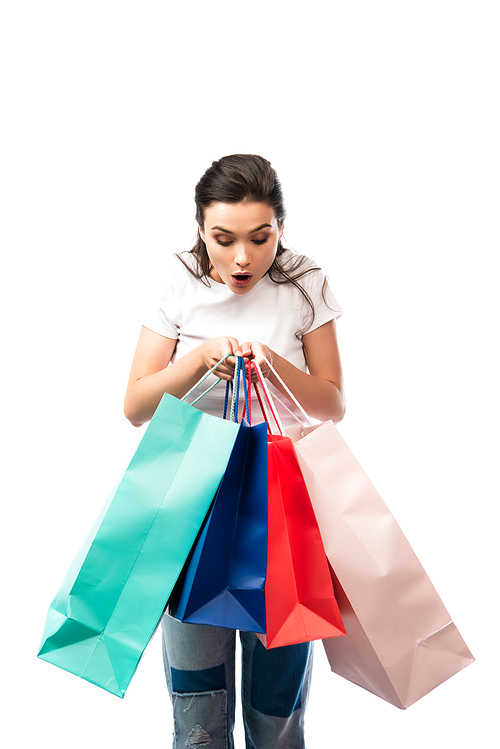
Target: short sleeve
x=326, y=306
x=164, y=317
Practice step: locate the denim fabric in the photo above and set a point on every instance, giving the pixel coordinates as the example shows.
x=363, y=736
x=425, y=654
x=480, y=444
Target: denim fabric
x=200, y=671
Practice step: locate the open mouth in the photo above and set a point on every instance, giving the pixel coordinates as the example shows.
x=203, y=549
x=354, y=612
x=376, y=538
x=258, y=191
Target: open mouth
x=241, y=279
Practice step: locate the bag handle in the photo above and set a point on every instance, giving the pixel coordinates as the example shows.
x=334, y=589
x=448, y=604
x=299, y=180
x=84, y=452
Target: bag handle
x=266, y=399
x=207, y=374
x=245, y=387
x=234, y=385
x=272, y=398
x=248, y=406
x=263, y=394
x=247, y=410
x=290, y=394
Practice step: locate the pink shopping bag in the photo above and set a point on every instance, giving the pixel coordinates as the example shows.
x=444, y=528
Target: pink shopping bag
x=401, y=642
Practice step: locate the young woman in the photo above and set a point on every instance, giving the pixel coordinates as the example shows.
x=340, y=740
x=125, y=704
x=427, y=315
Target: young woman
x=239, y=291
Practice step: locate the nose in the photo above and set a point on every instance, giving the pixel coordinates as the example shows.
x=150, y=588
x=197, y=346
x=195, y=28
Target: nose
x=242, y=256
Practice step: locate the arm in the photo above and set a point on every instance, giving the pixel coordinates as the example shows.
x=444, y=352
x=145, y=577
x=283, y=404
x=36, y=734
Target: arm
x=152, y=375
x=321, y=392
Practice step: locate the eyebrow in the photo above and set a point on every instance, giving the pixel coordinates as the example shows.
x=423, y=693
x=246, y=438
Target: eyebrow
x=227, y=231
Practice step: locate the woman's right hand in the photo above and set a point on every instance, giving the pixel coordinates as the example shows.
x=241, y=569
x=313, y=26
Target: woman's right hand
x=152, y=374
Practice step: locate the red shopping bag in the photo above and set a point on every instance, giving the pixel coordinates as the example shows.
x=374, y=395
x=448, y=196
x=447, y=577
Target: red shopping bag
x=300, y=600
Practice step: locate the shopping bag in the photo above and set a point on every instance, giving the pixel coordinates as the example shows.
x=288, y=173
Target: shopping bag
x=223, y=584
x=300, y=600
x=114, y=593
x=401, y=642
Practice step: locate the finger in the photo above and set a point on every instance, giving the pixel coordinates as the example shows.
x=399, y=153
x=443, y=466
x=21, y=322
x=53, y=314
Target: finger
x=264, y=369
x=246, y=349
x=235, y=347
x=226, y=369
x=225, y=373
x=260, y=361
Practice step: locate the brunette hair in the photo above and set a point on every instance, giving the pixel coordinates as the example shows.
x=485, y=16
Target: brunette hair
x=245, y=178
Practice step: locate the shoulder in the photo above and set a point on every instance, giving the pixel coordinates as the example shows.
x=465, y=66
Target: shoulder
x=303, y=269
x=176, y=283
x=317, y=301
x=185, y=260
x=181, y=264
x=292, y=262
x=178, y=273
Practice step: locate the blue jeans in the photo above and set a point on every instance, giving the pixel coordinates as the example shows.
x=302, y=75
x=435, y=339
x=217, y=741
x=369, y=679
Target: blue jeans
x=200, y=666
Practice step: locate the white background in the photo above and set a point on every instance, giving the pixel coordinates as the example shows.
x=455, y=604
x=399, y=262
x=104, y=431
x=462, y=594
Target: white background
x=382, y=120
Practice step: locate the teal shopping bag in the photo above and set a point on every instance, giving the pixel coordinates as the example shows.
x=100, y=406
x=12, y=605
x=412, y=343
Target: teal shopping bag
x=115, y=592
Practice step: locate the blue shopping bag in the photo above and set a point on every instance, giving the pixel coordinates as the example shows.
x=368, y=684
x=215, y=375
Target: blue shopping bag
x=224, y=579
x=116, y=590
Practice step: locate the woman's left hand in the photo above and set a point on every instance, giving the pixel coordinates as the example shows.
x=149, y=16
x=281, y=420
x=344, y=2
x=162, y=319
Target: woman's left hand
x=258, y=352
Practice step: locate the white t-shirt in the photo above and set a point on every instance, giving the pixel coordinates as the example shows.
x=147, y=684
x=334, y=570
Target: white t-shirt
x=274, y=314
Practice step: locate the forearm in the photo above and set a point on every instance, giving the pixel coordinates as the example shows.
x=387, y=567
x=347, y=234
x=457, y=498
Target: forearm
x=144, y=394
x=152, y=375
x=321, y=399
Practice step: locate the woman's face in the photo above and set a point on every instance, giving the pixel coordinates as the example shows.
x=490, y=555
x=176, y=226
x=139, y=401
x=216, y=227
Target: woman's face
x=241, y=241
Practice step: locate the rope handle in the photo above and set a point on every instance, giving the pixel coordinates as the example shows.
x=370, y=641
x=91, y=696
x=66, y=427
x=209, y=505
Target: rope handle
x=289, y=393
x=247, y=410
x=274, y=398
x=248, y=404
x=265, y=399
x=263, y=406
x=207, y=374
x=234, y=385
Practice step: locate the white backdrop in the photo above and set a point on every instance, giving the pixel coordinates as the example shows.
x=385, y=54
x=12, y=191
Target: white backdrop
x=382, y=120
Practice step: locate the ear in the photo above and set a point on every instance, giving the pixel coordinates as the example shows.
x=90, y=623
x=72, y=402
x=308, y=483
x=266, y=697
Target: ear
x=201, y=233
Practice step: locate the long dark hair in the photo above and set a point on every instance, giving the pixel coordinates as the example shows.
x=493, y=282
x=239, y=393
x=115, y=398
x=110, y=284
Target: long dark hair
x=245, y=178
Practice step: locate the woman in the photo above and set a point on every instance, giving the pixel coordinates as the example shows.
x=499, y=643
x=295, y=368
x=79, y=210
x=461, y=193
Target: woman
x=239, y=291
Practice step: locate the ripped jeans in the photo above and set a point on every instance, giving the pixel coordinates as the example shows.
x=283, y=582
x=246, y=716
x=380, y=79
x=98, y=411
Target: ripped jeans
x=200, y=670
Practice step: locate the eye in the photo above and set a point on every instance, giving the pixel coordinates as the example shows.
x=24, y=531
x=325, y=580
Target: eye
x=224, y=244
x=260, y=241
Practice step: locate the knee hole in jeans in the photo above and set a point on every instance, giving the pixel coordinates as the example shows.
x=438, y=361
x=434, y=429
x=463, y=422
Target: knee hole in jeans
x=200, y=718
